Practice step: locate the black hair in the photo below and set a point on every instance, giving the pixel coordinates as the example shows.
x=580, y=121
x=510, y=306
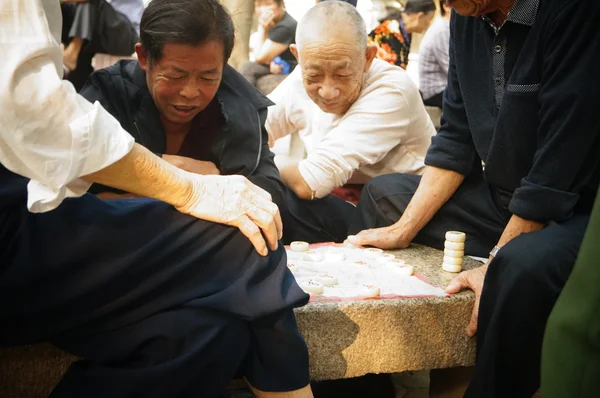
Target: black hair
x=191, y=22
x=417, y=6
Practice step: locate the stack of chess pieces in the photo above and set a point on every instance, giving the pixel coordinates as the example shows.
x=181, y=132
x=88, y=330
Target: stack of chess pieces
x=454, y=251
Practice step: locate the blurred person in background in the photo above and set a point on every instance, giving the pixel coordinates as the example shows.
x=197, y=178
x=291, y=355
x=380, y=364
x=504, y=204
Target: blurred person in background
x=393, y=36
x=276, y=31
x=434, y=58
x=97, y=26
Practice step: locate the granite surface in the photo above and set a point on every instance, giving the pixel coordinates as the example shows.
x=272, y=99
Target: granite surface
x=345, y=339
x=353, y=338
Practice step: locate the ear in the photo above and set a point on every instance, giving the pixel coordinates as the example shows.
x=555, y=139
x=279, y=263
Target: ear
x=142, y=56
x=370, y=56
x=294, y=50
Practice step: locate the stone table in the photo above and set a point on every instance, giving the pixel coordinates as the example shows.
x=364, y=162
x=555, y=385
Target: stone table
x=353, y=338
x=345, y=339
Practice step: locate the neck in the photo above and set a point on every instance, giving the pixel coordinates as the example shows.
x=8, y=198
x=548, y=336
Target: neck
x=175, y=128
x=498, y=12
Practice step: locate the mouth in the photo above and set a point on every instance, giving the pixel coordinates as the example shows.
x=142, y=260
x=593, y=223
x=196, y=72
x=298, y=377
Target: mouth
x=183, y=110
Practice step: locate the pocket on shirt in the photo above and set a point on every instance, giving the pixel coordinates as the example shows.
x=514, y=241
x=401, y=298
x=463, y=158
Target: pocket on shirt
x=523, y=88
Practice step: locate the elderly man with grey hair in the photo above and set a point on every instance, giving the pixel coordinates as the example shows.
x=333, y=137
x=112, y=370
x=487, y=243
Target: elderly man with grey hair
x=357, y=116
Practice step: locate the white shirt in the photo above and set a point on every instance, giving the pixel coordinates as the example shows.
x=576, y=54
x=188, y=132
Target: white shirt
x=386, y=130
x=48, y=133
x=434, y=58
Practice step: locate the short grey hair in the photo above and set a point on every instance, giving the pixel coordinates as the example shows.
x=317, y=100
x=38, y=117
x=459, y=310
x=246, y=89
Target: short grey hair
x=328, y=15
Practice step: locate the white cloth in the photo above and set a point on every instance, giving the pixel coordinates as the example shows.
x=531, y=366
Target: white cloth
x=434, y=58
x=386, y=130
x=48, y=133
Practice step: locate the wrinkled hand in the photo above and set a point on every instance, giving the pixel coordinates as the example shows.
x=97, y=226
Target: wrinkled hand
x=472, y=279
x=383, y=238
x=192, y=165
x=275, y=69
x=234, y=200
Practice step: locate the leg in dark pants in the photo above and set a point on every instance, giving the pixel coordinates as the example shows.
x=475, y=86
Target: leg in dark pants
x=472, y=209
x=520, y=289
x=253, y=71
x=156, y=302
x=320, y=220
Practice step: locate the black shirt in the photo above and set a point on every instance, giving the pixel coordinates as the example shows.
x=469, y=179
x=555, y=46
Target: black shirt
x=524, y=99
x=285, y=33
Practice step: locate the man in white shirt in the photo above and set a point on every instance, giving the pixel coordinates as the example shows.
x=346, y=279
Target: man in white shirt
x=157, y=296
x=357, y=116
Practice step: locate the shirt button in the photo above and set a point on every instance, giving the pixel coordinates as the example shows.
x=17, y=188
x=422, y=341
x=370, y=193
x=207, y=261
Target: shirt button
x=497, y=48
x=498, y=80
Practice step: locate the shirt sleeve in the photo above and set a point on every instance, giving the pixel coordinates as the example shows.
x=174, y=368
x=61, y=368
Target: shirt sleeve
x=49, y=133
x=569, y=128
x=278, y=122
x=453, y=148
x=374, y=125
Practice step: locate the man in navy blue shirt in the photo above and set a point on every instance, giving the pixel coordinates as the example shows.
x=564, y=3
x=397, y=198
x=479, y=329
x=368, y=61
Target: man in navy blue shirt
x=521, y=99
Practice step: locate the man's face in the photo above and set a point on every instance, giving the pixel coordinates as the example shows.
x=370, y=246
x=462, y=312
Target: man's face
x=333, y=72
x=473, y=8
x=185, y=80
x=263, y=7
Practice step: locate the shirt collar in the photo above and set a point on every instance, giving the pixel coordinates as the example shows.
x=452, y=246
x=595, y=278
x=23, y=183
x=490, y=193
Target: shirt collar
x=523, y=12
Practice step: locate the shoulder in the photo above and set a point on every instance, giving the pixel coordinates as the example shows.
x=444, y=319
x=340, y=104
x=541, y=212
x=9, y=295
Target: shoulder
x=288, y=22
x=236, y=85
x=291, y=87
x=386, y=79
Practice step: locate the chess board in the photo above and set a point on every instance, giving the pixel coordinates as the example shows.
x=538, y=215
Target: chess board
x=352, y=268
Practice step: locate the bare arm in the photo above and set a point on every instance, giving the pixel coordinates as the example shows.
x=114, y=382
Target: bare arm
x=436, y=187
x=246, y=207
x=291, y=177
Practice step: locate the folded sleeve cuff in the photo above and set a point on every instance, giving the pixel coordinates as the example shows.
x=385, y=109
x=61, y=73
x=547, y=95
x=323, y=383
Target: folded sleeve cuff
x=448, y=154
x=538, y=203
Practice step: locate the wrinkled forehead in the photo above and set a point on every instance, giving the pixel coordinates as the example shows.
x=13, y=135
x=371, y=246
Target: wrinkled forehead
x=325, y=65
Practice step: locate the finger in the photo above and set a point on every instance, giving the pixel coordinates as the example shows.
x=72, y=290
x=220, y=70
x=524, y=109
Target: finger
x=360, y=239
x=472, y=327
x=457, y=284
x=266, y=223
x=256, y=190
x=272, y=209
x=252, y=232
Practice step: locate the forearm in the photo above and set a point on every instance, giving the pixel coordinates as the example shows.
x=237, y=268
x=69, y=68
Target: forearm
x=436, y=187
x=517, y=226
x=262, y=37
x=142, y=173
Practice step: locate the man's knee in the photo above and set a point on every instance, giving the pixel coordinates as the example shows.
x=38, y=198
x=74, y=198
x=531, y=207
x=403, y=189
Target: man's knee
x=389, y=185
x=534, y=263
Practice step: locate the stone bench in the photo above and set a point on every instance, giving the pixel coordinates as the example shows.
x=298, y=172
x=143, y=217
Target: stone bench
x=345, y=339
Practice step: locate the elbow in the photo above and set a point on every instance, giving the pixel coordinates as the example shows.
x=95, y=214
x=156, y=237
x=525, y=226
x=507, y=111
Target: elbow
x=303, y=191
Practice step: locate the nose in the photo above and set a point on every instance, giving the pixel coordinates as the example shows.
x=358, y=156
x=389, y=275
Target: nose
x=328, y=92
x=190, y=90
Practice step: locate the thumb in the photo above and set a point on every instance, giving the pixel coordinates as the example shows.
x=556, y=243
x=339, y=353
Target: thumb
x=361, y=239
x=472, y=328
x=456, y=284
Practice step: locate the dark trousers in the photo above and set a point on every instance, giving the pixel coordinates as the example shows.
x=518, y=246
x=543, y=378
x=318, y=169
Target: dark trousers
x=103, y=29
x=437, y=100
x=521, y=285
x=157, y=303
x=253, y=71
x=320, y=220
